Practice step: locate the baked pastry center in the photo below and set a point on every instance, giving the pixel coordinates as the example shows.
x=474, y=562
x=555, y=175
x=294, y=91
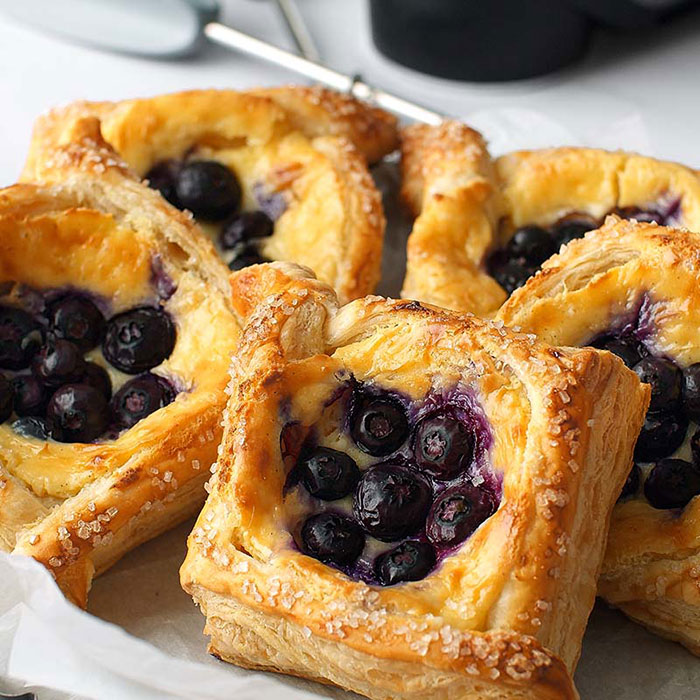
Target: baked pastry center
x=63, y=354
x=212, y=192
x=529, y=246
x=666, y=471
x=385, y=487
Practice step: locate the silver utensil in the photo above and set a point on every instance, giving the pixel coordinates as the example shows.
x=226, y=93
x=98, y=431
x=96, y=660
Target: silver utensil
x=173, y=28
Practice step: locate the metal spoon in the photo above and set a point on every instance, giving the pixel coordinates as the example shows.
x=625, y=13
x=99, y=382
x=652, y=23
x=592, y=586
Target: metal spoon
x=172, y=28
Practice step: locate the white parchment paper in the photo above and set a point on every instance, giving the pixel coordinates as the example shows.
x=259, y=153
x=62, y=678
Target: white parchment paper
x=142, y=636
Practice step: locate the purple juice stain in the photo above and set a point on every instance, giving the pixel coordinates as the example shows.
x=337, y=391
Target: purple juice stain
x=160, y=280
x=273, y=204
x=458, y=401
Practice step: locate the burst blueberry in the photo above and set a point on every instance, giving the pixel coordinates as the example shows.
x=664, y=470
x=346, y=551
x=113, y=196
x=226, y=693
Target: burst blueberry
x=410, y=561
x=631, y=485
x=672, y=483
x=20, y=337
x=245, y=258
x=691, y=391
x=77, y=413
x=532, y=244
x=138, y=340
x=6, y=398
x=244, y=227
x=98, y=378
x=58, y=362
x=626, y=347
x=29, y=395
x=443, y=445
x=208, y=189
x=392, y=502
x=379, y=424
x=665, y=379
x=511, y=275
x=662, y=434
x=31, y=427
x=328, y=474
x=332, y=538
x=643, y=215
x=457, y=512
x=78, y=320
x=140, y=397
x=570, y=229
x=163, y=177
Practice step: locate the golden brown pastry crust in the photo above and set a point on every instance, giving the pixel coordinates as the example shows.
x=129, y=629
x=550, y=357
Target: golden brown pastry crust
x=651, y=568
x=482, y=624
x=307, y=145
x=74, y=507
x=468, y=205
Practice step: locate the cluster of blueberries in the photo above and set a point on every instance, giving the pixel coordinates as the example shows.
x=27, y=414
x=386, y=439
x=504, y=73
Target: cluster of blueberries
x=212, y=193
x=675, y=401
x=530, y=246
x=53, y=391
x=425, y=501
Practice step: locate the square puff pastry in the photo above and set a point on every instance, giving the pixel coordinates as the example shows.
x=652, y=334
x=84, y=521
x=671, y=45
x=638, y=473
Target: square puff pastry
x=299, y=153
x=504, y=614
x=468, y=204
x=652, y=563
x=78, y=507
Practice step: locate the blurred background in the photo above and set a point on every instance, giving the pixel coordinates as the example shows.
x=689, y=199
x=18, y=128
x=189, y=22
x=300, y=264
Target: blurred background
x=630, y=84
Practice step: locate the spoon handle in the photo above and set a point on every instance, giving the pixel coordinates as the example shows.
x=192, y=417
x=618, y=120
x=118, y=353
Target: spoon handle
x=231, y=38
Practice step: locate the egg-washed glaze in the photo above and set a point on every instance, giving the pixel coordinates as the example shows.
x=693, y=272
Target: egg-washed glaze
x=469, y=206
x=297, y=154
x=77, y=507
x=643, y=278
x=501, y=616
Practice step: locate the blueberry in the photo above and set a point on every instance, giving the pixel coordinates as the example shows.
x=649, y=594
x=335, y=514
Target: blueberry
x=391, y=502
x=627, y=348
x=531, y=243
x=245, y=258
x=20, y=338
x=58, y=362
x=662, y=434
x=691, y=391
x=328, y=474
x=644, y=215
x=665, y=379
x=379, y=425
x=139, y=339
x=443, y=445
x=208, y=189
x=410, y=561
x=98, y=378
x=163, y=177
x=244, y=227
x=30, y=397
x=31, y=426
x=77, y=319
x=631, y=485
x=6, y=399
x=77, y=413
x=140, y=397
x=511, y=275
x=695, y=446
x=457, y=512
x=672, y=483
x=569, y=230
x=332, y=538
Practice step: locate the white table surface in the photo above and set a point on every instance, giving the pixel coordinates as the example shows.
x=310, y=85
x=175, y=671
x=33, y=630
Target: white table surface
x=638, y=92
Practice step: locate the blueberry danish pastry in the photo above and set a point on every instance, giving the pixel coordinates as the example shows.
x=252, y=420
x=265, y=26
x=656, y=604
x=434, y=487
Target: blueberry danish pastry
x=275, y=174
x=632, y=289
x=484, y=226
x=115, y=339
x=436, y=496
